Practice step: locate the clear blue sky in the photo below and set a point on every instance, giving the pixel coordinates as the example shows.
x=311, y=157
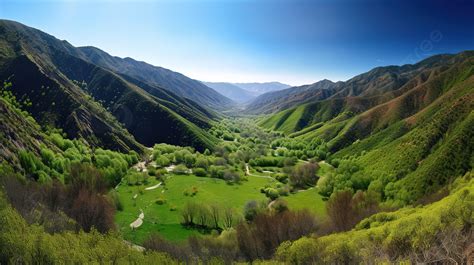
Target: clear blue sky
x=295, y=42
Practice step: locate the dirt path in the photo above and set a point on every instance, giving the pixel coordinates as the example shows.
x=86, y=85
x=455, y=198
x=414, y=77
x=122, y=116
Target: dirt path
x=247, y=171
x=139, y=221
x=153, y=187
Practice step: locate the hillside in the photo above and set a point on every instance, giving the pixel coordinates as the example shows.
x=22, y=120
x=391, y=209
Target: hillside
x=374, y=83
x=89, y=101
x=156, y=76
x=418, y=133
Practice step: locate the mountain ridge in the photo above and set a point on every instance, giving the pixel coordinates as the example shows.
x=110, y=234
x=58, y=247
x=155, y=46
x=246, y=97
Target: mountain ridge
x=72, y=82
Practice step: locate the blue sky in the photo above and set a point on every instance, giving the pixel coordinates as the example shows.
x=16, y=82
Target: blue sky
x=295, y=42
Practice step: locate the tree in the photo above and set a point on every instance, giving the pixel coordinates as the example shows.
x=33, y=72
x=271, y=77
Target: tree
x=93, y=210
x=346, y=210
x=189, y=213
x=304, y=175
x=228, y=218
x=215, y=215
x=252, y=208
x=203, y=215
x=202, y=162
x=260, y=238
x=231, y=176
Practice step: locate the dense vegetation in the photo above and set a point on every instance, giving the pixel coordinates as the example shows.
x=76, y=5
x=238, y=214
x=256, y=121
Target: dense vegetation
x=377, y=169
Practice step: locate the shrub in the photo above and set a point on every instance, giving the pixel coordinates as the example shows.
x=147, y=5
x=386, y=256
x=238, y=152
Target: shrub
x=231, y=176
x=279, y=205
x=283, y=178
x=272, y=193
x=252, y=208
x=304, y=175
x=160, y=201
x=200, y=172
x=180, y=170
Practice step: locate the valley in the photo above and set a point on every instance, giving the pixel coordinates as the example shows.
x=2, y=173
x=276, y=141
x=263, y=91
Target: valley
x=162, y=190
x=112, y=160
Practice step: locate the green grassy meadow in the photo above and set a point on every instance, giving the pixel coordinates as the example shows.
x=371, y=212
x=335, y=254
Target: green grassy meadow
x=161, y=219
x=166, y=222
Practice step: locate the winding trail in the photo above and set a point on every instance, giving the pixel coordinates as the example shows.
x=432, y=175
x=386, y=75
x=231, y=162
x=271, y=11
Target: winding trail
x=153, y=187
x=137, y=223
x=247, y=171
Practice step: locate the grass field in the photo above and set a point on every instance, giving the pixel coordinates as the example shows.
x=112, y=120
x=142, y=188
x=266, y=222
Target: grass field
x=160, y=219
x=307, y=199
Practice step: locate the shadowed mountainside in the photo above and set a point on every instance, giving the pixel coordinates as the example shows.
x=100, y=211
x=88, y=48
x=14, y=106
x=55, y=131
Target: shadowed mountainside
x=92, y=102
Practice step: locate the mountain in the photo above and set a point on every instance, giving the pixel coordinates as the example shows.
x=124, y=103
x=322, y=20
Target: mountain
x=282, y=99
x=157, y=76
x=245, y=92
x=231, y=91
x=410, y=124
x=107, y=108
x=261, y=88
x=373, y=83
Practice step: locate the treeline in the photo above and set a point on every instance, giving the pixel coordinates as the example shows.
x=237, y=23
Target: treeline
x=21, y=243
x=256, y=237
x=55, y=164
x=208, y=217
x=186, y=160
x=81, y=204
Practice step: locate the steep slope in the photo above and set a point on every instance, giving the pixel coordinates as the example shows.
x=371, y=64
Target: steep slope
x=231, y=91
x=278, y=100
x=78, y=96
x=18, y=132
x=157, y=76
x=417, y=137
x=441, y=233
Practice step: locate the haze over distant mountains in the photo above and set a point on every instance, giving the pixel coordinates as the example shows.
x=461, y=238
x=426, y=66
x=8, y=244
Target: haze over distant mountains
x=245, y=92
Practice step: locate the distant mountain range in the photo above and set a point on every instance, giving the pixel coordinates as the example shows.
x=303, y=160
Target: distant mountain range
x=373, y=83
x=245, y=92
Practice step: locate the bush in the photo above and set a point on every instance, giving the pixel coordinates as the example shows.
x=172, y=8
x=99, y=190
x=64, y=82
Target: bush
x=283, y=178
x=252, y=208
x=191, y=191
x=180, y=170
x=231, y=176
x=160, y=201
x=200, y=172
x=279, y=205
x=272, y=193
x=304, y=175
